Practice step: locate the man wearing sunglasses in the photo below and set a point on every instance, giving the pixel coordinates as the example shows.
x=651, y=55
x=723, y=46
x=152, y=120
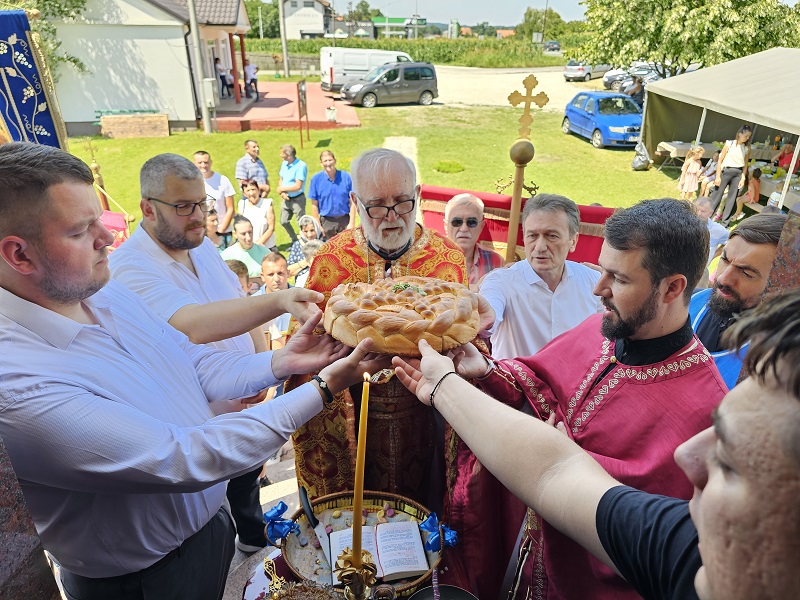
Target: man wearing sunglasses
x=463, y=222
x=177, y=271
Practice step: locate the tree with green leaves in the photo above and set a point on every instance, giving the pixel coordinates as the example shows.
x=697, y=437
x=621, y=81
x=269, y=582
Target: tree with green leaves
x=674, y=34
x=269, y=18
x=363, y=12
x=534, y=21
x=485, y=30
x=53, y=11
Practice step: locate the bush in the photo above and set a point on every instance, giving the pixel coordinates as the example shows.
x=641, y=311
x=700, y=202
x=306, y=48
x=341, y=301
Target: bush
x=448, y=166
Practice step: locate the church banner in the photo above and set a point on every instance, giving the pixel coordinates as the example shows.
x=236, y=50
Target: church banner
x=28, y=108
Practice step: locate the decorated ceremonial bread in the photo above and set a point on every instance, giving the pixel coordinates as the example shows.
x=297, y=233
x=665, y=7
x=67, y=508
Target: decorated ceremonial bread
x=398, y=313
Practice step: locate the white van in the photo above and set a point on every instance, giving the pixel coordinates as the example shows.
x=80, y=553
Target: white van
x=339, y=66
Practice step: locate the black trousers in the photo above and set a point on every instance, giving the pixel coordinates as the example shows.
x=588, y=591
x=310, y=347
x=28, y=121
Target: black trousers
x=197, y=569
x=334, y=225
x=730, y=178
x=246, y=509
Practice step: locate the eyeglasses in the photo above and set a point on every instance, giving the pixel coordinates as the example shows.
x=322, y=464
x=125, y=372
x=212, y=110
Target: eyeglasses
x=186, y=209
x=457, y=222
x=380, y=212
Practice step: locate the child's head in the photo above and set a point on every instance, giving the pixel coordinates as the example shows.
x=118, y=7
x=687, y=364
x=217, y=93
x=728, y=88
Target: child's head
x=756, y=173
x=698, y=152
x=240, y=270
x=716, y=155
x=274, y=272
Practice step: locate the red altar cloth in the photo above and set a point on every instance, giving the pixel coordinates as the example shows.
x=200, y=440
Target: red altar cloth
x=497, y=207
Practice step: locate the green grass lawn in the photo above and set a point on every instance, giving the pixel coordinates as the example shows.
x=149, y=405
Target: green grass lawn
x=476, y=138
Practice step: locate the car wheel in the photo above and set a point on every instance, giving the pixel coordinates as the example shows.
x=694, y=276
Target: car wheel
x=587, y=77
x=369, y=100
x=615, y=85
x=426, y=98
x=565, y=125
x=597, y=138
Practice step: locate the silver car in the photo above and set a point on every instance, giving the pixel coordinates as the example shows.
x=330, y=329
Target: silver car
x=580, y=71
x=394, y=83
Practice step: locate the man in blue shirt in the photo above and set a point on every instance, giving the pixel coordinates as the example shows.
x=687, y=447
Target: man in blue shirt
x=329, y=193
x=293, y=175
x=739, y=285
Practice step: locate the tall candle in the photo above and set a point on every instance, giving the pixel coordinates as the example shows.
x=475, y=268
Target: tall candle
x=358, y=493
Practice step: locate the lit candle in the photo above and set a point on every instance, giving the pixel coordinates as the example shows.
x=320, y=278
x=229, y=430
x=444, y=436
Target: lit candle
x=358, y=494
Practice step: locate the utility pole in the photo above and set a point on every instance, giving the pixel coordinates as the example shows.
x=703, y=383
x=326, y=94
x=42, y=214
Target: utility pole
x=544, y=23
x=416, y=19
x=283, y=39
x=198, y=61
x=260, y=25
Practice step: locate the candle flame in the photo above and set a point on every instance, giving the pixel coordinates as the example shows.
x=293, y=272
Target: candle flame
x=366, y=376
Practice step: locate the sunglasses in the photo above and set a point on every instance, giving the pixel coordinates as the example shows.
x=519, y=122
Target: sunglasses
x=472, y=222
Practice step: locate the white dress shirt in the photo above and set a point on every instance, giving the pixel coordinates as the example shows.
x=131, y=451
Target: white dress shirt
x=219, y=188
x=717, y=234
x=529, y=315
x=110, y=433
x=166, y=285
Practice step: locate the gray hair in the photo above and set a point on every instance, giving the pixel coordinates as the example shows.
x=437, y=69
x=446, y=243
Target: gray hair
x=311, y=248
x=290, y=150
x=705, y=200
x=554, y=203
x=155, y=171
x=376, y=164
x=462, y=199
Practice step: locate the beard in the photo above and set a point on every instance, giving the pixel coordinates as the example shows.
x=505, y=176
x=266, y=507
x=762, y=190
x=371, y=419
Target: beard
x=394, y=240
x=724, y=307
x=625, y=328
x=65, y=291
x=174, y=238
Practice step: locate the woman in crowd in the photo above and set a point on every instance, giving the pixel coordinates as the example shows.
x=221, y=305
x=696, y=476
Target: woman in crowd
x=732, y=161
x=783, y=159
x=260, y=212
x=212, y=222
x=310, y=229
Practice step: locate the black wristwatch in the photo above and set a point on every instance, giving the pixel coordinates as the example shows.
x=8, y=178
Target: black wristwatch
x=325, y=389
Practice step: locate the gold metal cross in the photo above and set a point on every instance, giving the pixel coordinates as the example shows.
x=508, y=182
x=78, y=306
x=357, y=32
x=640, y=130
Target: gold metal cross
x=539, y=100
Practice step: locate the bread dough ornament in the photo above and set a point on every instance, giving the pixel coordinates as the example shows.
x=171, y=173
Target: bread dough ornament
x=398, y=313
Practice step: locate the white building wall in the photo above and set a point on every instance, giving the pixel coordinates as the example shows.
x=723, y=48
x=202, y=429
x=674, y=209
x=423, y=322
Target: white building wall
x=137, y=58
x=303, y=19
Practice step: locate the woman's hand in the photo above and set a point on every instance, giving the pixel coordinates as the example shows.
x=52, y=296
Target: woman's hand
x=421, y=375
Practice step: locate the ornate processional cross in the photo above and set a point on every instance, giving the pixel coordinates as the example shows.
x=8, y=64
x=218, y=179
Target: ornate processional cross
x=521, y=154
x=540, y=99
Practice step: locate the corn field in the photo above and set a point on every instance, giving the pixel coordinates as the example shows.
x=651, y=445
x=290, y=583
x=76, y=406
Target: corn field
x=467, y=52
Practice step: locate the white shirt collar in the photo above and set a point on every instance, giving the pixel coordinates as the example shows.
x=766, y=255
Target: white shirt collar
x=532, y=277
x=55, y=329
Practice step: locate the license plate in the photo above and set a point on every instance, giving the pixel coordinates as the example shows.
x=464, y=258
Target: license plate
x=633, y=138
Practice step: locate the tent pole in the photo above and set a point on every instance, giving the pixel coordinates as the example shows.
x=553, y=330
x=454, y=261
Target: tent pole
x=789, y=175
x=700, y=129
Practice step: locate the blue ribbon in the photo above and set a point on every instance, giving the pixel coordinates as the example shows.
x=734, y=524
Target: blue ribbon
x=278, y=527
x=433, y=543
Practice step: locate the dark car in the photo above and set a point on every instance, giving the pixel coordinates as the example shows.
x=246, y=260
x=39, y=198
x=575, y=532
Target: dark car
x=394, y=83
x=606, y=118
x=613, y=79
x=552, y=46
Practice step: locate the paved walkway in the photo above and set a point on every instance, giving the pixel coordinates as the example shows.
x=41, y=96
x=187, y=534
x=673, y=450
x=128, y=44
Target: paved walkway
x=277, y=108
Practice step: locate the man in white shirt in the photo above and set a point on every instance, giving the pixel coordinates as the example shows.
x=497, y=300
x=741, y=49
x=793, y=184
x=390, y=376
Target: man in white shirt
x=105, y=406
x=275, y=275
x=250, y=79
x=181, y=277
x=220, y=189
x=718, y=234
x=540, y=298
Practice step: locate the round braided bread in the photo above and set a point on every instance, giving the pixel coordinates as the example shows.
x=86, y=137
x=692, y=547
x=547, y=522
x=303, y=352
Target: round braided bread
x=398, y=313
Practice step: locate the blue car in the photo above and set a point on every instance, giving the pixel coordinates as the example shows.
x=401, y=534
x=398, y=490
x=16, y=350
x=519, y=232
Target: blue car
x=607, y=119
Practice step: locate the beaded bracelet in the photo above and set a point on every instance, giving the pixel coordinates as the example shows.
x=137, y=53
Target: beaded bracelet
x=436, y=387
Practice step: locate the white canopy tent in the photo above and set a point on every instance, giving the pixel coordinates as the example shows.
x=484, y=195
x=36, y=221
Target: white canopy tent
x=762, y=90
